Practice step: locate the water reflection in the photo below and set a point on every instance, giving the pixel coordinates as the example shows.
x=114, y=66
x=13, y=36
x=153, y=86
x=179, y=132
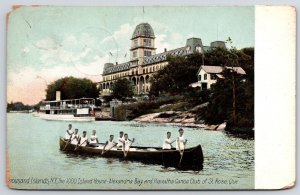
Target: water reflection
x=247, y=135
x=109, y=160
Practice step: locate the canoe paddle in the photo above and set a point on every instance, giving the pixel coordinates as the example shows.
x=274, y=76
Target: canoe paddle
x=126, y=153
x=67, y=144
x=181, y=153
x=104, y=151
x=79, y=146
x=69, y=141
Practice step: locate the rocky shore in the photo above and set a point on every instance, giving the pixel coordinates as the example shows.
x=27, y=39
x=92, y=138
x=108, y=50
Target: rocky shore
x=180, y=118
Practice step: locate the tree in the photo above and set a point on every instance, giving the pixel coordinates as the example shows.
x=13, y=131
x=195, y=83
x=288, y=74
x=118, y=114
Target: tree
x=230, y=99
x=17, y=106
x=229, y=57
x=225, y=104
x=72, y=88
x=176, y=77
x=122, y=89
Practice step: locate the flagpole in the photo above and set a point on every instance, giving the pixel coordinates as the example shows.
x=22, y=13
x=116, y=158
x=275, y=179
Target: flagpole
x=143, y=14
x=110, y=55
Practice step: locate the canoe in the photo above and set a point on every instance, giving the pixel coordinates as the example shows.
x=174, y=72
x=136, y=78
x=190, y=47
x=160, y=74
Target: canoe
x=192, y=158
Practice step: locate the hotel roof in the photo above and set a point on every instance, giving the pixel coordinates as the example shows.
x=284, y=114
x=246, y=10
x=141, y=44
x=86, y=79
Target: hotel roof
x=156, y=58
x=219, y=69
x=163, y=56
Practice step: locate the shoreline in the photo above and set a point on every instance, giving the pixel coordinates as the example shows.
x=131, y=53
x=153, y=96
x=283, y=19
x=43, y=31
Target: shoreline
x=181, y=119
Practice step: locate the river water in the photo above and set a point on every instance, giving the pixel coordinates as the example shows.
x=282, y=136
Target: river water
x=37, y=163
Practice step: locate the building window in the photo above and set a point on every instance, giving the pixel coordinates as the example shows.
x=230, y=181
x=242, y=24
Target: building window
x=134, y=54
x=199, y=77
x=205, y=76
x=135, y=43
x=147, y=53
x=213, y=77
x=147, y=42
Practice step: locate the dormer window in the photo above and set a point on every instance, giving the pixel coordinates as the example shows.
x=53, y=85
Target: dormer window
x=199, y=49
x=147, y=42
x=188, y=48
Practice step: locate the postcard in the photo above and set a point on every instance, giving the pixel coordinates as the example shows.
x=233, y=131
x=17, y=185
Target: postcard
x=144, y=97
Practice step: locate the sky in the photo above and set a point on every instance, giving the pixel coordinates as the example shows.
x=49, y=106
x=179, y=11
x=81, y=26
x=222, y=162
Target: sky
x=46, y=43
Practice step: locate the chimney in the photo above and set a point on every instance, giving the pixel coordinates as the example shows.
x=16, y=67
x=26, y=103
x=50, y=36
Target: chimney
x=57, y=96
x=165, y=49
x=116, y=63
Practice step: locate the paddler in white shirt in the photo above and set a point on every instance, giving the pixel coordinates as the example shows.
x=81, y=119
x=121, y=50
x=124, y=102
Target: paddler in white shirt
x=94, y=140
x=109, y=144
x=180, y=141
x=127, y=142
x=75, y=137
x=120, y=139
x=167, y=144
x=69, y=132
x=83, y=140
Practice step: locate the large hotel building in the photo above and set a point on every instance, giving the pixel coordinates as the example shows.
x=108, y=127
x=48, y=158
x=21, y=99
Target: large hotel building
x=144, y=61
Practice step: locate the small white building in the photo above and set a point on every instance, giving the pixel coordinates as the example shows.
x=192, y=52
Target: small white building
x=207, y=75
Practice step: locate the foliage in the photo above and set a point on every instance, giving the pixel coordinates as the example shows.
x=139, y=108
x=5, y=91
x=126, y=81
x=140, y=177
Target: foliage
x=175, y=78
x=38, y=105
x=72, y=88
x=229, y=57
x=181, y=72
x=122, y=89
x=179, y=106
x=220, y=107
x=145, y=107
x=17, y=106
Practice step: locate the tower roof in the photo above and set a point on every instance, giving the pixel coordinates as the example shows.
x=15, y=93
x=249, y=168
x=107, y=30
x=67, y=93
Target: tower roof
x=143, y=29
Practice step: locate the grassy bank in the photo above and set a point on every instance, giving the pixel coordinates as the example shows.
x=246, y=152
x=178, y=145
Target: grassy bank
x=131, y=111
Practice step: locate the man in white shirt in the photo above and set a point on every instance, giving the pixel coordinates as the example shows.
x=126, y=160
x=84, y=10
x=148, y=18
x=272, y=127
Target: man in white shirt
x=180, y=141
x=126, y=144
x=167, y=144
x=109, y=144
x=83, y=141
x=75, y=137
x=120, y=139
x=94, y=140
x=69, y=132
